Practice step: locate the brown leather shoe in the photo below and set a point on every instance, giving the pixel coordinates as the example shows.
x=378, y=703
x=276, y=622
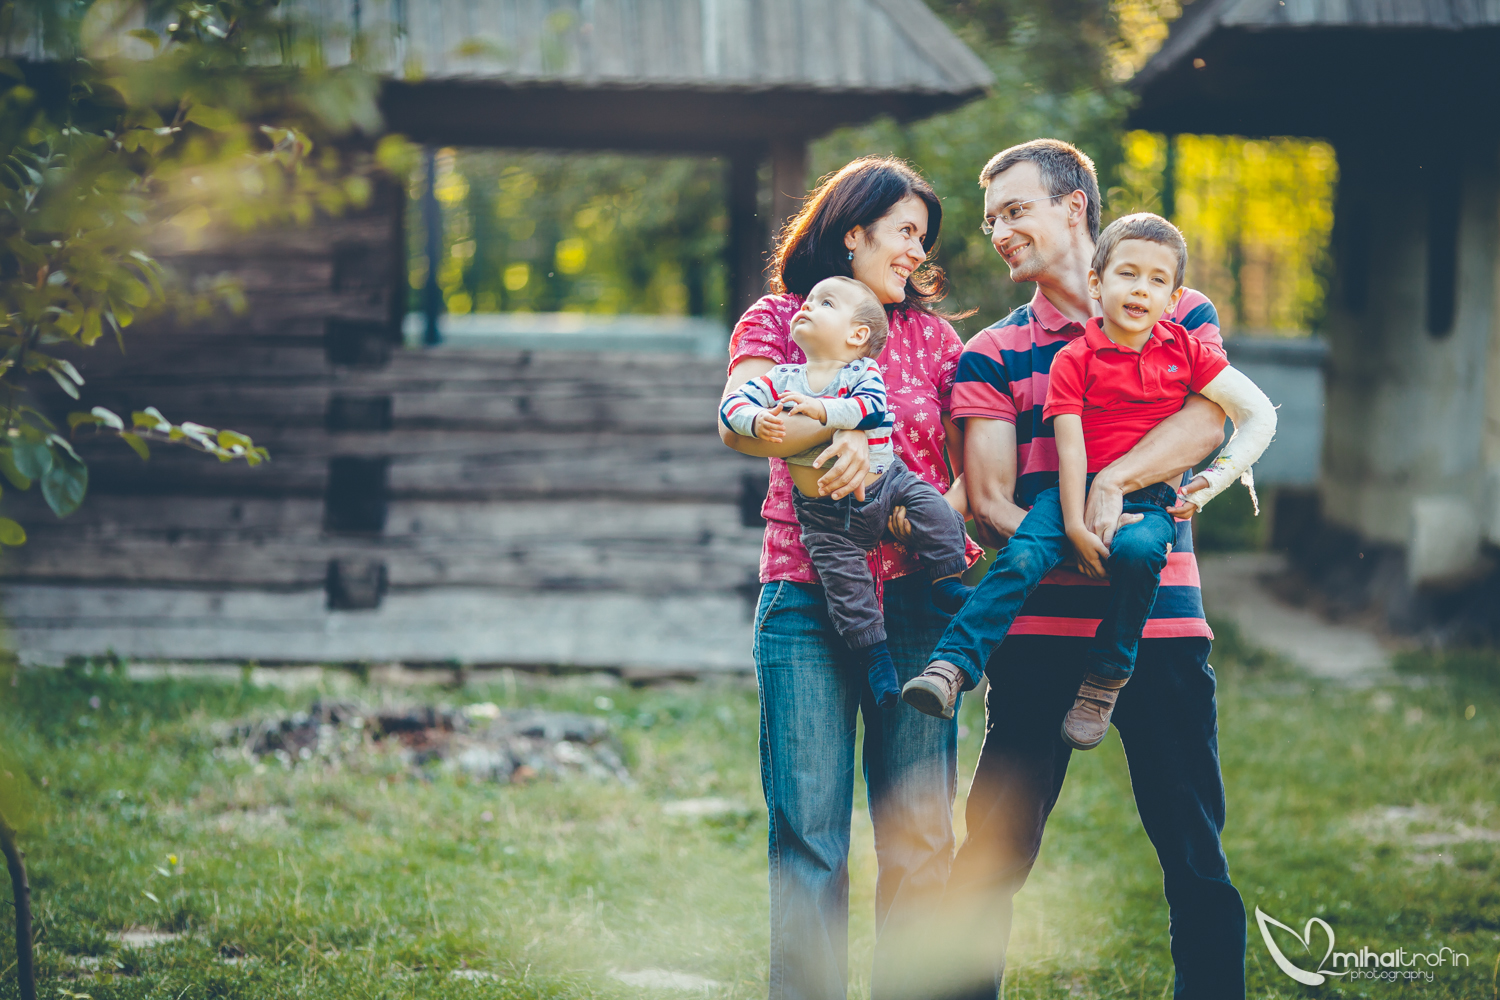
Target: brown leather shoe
x=1087, y=722
x=935, y=690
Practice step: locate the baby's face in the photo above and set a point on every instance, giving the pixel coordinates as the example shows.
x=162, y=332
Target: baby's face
x=824, y=327
x=1138, y=285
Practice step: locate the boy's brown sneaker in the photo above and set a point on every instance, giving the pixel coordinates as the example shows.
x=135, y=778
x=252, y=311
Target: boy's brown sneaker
x=935, y=690
x=1087, y=722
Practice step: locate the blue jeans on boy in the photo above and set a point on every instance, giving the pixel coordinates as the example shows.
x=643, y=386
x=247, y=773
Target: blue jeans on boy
x=1138, y=553
x=811, y=694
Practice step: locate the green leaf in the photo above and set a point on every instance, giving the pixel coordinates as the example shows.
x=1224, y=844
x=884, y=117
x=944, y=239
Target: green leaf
x=63, y=381
x=212, y=118
x=108, y=417
x=17, y=478
x=148, y=36
x=32, y=459
x=151, y=419
x=68, y=369
x=11, y=533
x=64, y=485
x=135, y=441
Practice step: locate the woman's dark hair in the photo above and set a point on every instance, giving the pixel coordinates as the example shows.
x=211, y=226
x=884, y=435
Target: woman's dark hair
x=811, y=245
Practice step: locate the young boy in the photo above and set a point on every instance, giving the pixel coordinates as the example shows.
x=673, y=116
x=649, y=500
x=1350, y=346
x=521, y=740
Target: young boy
x=1129, y=371
x=842, y=327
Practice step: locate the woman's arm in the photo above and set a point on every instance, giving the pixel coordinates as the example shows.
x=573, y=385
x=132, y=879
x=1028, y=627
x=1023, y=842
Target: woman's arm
x=850, y=449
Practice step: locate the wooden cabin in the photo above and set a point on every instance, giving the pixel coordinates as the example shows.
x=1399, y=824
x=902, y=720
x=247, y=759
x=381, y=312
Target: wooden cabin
x=1406, y=514
x=463, y=504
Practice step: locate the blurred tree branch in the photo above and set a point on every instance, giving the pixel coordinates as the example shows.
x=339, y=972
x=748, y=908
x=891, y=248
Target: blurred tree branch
x=125, y=135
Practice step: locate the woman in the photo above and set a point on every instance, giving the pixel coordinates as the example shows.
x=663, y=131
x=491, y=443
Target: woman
x=876, y=221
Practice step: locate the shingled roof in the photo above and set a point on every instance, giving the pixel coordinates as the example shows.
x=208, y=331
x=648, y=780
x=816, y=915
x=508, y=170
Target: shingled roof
x=684, y=73
x=1321, y=67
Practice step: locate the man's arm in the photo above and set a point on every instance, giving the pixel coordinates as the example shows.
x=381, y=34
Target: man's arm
x=989, y=448
x=850, y=448
x=1168, y=450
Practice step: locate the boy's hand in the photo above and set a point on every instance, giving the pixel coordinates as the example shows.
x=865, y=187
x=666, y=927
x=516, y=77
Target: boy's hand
x=1092, y=553
x=1185, y=507
x=810, y=406
x=769, y=426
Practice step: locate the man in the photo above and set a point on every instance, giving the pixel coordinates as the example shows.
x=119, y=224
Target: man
x=1042, y=205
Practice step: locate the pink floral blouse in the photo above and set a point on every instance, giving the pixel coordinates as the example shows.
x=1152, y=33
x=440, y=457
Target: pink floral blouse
x=919, y=362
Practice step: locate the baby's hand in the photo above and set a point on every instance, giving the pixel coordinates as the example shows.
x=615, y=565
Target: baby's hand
x=769, y=426
x=810, y=406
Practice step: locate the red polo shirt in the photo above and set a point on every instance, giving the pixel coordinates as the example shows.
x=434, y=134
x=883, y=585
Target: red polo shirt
x=1120, y=393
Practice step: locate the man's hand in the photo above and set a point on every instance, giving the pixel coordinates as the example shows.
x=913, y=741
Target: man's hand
x=1102, y=515
x=1092, y=552
x=852, y=451
x=810, y=406
x=769, y=426
x=1185, y=509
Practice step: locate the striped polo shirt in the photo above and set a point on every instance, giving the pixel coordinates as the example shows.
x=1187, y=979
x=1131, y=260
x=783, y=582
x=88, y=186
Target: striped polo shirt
x=1002, y=375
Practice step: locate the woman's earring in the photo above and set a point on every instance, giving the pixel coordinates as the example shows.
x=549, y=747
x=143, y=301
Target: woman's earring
x=851, y=254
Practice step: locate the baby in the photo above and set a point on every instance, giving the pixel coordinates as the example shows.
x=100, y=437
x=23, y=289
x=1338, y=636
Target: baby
x=1129, y=371
x=841, y=328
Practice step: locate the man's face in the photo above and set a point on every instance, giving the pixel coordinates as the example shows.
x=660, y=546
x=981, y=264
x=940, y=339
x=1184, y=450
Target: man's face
x=1138, y=285
x=824, y=327
x=1040, y=235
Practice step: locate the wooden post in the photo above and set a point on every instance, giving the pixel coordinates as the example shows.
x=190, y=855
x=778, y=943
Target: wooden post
x=788, y=182
x=432, y=225
x=747, y=239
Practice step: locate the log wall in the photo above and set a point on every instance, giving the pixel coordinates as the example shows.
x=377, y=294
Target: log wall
x=482, y=506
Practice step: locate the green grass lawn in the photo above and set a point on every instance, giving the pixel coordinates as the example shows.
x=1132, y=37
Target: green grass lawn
x=1374, y=809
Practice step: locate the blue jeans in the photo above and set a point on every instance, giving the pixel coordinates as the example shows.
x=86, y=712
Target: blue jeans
x=1168, y=724
x=810, y=692
x=1137, y=556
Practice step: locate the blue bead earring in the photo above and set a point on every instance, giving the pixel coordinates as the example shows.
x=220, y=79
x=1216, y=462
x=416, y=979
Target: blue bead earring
x=851, y=254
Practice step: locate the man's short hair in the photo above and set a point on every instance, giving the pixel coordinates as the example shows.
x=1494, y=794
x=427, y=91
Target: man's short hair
x=867, y=312
x=1064, y=168
x=1141, y=226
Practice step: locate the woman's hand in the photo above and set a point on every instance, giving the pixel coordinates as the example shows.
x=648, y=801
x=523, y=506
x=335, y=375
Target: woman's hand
x=957, y=497
x=852, y=451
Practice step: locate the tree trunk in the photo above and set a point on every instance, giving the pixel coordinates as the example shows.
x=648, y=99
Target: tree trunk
x=14, y=860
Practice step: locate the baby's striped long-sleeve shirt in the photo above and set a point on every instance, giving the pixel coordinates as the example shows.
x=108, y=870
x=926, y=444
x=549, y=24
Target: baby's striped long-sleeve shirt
x=855, y=400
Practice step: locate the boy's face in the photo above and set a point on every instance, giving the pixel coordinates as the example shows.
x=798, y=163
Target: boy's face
x=1138, y=285
x=824, y=327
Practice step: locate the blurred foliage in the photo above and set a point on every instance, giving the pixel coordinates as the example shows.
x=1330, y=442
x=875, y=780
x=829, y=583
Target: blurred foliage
x=124, y=138
x=1257, y=215
x=549, y=232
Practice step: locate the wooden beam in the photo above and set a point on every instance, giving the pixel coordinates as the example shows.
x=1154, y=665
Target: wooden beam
x=747, y=231
x=788, y=182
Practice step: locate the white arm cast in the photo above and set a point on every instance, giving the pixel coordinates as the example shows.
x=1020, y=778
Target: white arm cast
x=1254, y=425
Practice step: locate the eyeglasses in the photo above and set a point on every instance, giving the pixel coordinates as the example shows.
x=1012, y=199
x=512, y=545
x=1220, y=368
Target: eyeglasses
x=1014, y=212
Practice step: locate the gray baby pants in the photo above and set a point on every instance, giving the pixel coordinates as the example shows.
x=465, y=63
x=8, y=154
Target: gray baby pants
x=838, y=533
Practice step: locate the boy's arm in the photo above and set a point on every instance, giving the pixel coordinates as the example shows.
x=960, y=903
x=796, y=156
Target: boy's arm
x=739, y=408
x=1254, y=425
x=864, y=408
x=1072, y=472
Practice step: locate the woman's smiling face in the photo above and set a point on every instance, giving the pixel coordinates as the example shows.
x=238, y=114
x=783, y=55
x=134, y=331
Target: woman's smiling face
x=888, y=250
